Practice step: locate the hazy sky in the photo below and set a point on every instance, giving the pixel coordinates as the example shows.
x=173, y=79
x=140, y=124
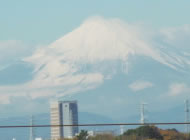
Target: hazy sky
x=43, y=21
x=127, y=50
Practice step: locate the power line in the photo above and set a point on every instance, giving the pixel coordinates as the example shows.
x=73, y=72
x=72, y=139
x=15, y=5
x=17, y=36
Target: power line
x=103, y=124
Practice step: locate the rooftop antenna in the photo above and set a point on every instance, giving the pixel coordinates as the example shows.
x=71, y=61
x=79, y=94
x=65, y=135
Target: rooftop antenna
x=187, y=115
x=31, y=128
x=142, y=113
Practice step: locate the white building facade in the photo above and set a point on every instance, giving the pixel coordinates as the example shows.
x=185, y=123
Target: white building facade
x=64, y=113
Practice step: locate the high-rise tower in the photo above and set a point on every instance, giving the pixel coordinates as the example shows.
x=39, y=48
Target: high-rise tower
x=55, y=115
x=64, y=113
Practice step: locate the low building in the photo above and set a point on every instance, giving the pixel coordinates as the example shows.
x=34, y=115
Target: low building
x=38, y=139
x=94, y=133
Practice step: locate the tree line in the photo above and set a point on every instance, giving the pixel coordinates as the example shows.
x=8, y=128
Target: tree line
x=141, y=133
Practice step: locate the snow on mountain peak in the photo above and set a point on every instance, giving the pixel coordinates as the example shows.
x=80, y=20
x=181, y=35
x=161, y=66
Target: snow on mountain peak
x=93, y=50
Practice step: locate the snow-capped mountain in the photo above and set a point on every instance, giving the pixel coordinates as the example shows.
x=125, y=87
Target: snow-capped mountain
x=109, y=66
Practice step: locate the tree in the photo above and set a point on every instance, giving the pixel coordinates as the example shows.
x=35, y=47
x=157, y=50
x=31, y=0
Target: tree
x=146, y=132
x=83, y=135
x=103, y=137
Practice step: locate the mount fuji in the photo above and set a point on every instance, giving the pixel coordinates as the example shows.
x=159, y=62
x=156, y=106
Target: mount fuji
x=109, y=66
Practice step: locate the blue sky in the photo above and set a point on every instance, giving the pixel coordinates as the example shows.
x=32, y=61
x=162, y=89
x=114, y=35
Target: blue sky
x=54, y=49
x=45, y=20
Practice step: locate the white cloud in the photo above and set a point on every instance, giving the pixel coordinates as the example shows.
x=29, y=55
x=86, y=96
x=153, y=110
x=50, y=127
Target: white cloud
x=53, y=88
x=4, y=99
x=13, y=50
x=178, y=36
x=177, y=89
x=140, y=85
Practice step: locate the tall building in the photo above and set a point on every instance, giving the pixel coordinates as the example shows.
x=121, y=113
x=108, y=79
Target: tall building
x=64, y=113
x=55, y=115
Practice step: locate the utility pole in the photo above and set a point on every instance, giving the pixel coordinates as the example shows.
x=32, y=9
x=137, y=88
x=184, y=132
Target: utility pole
x=187, y=115
x=121, y=129
x=31, y=128
x=142, y=113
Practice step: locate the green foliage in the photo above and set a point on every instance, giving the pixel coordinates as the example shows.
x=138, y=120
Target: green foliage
x=83, y=135
x=150, y=132
x=141, y=133
x=103, y=137
x=173, y=129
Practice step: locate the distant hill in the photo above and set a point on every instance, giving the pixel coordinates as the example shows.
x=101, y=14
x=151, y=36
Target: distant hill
x=23, y=133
